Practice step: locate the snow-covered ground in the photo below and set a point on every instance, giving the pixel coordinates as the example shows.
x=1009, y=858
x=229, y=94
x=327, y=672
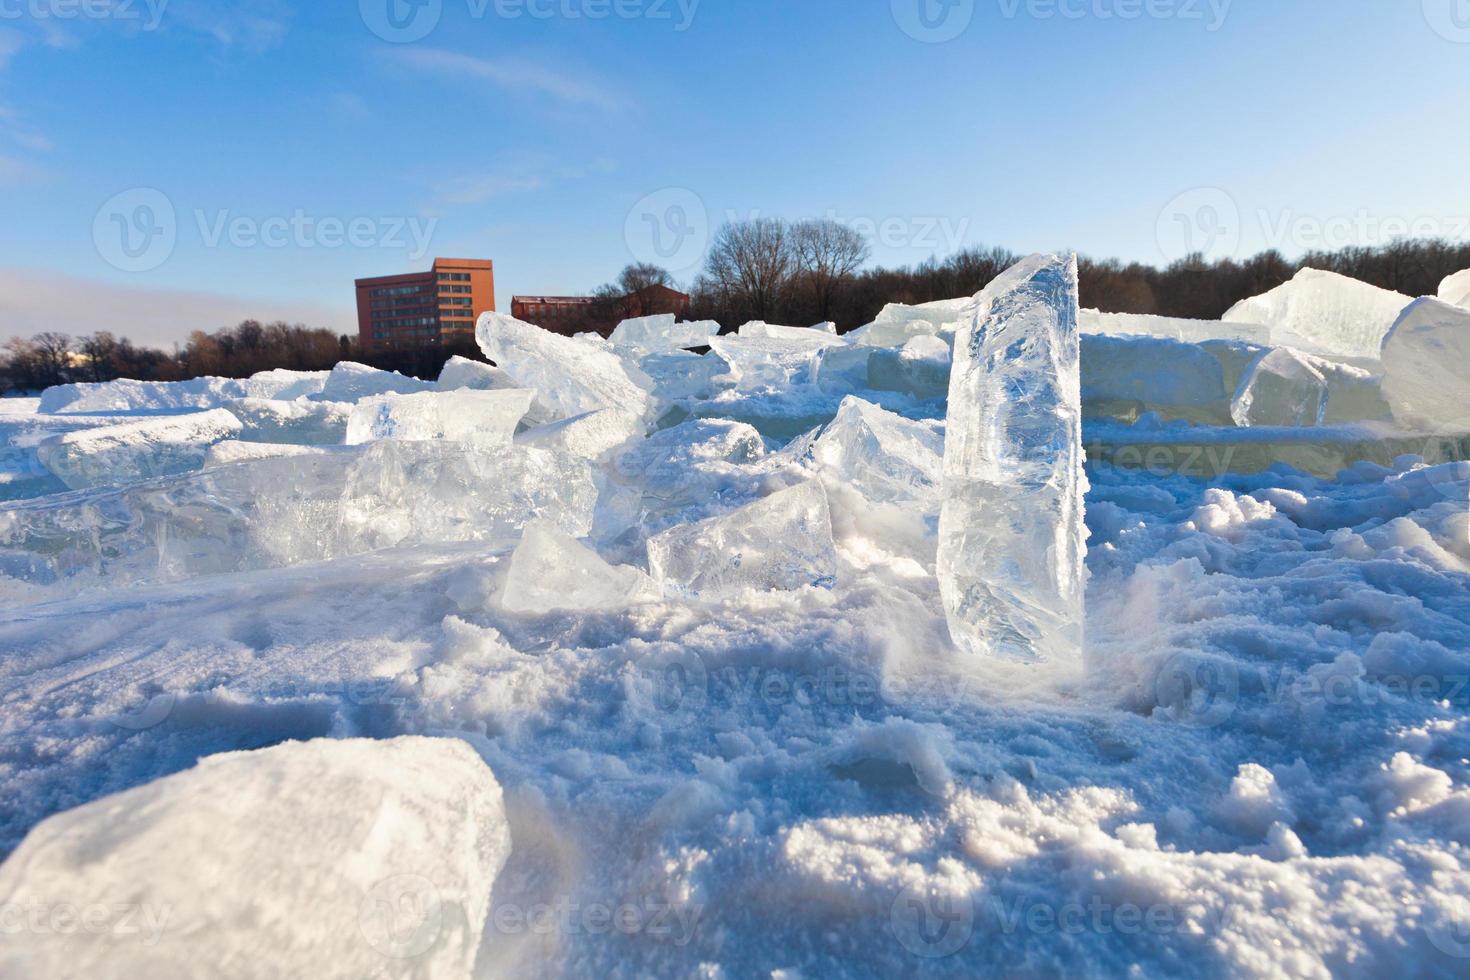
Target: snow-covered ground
x=689, y=618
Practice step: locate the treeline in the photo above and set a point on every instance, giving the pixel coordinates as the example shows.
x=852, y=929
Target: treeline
x=764, y=269
x=236, y=352
x=767, y=269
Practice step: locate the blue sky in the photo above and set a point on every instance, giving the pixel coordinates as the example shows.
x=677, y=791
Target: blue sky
x=257, y=155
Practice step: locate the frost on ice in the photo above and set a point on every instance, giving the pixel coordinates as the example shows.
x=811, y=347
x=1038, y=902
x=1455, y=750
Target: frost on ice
x=322, y=859
x=1011, y=538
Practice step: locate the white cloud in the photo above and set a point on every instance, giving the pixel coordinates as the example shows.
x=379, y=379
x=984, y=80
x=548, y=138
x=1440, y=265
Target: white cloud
x=32, y=301
x=516, y=173
x=510, y=73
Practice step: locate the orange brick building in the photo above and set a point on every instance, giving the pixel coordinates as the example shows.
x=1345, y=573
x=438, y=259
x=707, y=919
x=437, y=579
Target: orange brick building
x=422, y=309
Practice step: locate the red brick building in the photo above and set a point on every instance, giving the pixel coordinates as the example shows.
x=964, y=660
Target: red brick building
x=570, y=315
x=422, y=309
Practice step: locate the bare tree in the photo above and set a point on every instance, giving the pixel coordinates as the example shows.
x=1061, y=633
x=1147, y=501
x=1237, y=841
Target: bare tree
x=827, y=255
x=99, y=350
x=643, y=275
x=753, y=261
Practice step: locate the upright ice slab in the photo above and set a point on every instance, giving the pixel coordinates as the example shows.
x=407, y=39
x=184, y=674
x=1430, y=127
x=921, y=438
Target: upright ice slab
x=571, y=377
x=1011, y=537
x=318, y=859
x=1426, y=362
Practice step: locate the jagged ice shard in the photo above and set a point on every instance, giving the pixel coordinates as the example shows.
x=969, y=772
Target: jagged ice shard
x=1011, y=537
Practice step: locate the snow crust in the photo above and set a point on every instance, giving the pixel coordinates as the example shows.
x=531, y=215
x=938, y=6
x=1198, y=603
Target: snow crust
x=692, y=616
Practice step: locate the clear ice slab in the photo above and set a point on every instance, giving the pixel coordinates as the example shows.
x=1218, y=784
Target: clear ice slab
x=1011, y=535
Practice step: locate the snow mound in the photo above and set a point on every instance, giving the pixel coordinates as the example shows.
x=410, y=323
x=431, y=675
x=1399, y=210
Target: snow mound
x=1324, y=313
x=175, y=396
x=324, y=859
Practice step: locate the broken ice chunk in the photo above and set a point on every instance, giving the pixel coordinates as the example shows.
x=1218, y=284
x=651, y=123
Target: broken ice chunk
x=230, y=452
x=351, y=382
x=773, y=362
x=461, y=372
x=1283, y=388
x=551, y=570
x=1324, y=313
x=662, y=333
x=1169, y=328
x=886, y=457
x=136, y=450
x=486, y=418
x=920, y=368
x=682, y=374
x=588, y=436
x=126, y=395
x=303, y=422
x=897, y=324
x=1426, y=361
x=318, y=859
x=1011, y=535
x=772, y=331
x=1124, y=377
x=571, y=377
x=843, y=368
x=1455, y=290
x=783, y=542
